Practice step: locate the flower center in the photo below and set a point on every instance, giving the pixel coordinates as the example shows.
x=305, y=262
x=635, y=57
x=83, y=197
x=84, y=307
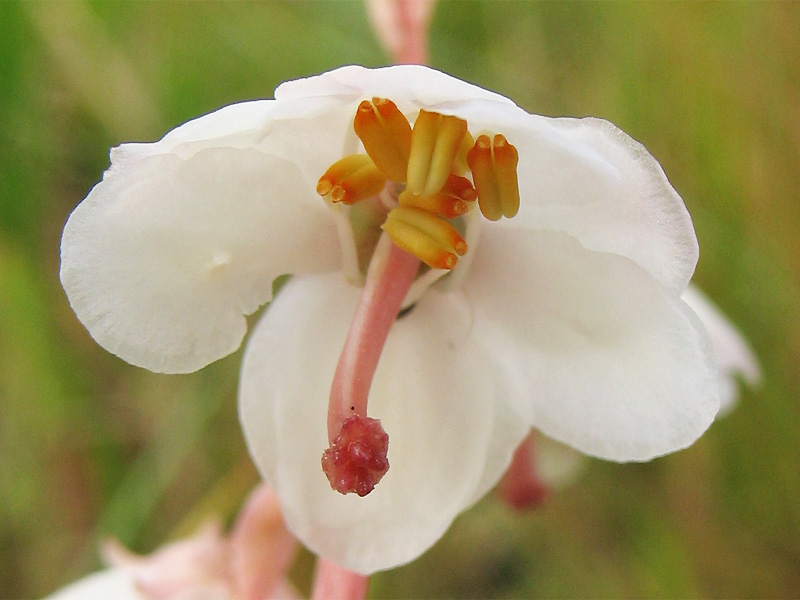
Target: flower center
x=418, y=177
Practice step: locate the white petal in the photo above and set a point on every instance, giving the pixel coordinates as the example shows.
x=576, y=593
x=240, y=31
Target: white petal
x=165, y=256
x=436, y=397
x=734, y=355
x=236, y=126
x=421, y=86
x=589, y=179
x=116, y=584
x=614, y=364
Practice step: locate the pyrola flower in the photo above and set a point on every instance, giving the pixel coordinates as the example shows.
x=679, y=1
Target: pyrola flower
x=553, y=256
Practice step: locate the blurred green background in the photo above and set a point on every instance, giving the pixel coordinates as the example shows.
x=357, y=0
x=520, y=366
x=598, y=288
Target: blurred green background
x=90, y=446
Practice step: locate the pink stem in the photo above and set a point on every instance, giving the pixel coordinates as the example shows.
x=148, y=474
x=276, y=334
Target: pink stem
x=521, y=486
x=402, y=26
x=332, y=582
x=413, y=17
x=391, y=273
x=261, y=547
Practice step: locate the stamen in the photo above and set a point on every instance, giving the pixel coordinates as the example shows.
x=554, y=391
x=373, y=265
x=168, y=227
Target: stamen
x=460, y=187
x=421, y=233
x=435, y=142
x=440, y=204
x=356, y=459
x=494, y=170
x=449, y=203
x=351, y=179
x=386, y=135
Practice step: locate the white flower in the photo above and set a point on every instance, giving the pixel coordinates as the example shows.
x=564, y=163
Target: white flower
x=566, y=318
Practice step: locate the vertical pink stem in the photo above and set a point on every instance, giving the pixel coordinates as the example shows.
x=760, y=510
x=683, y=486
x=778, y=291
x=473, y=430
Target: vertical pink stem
x=402, y=26
x=391, y=272
x=261, y=547
x=413, y=17
x=332, y=582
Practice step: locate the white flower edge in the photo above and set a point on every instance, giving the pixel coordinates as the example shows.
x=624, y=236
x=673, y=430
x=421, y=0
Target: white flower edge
x=559, y=465
x=734, y=354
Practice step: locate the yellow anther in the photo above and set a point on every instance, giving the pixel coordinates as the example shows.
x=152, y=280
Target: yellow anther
x=435, y=142
x=494, y=170
x=460, y=165
x=353, y=178
x=386, y=135
x=450, y=202
x=421, y=233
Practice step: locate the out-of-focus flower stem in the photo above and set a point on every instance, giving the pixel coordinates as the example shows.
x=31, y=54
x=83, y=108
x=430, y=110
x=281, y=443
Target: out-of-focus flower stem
x=332, y=582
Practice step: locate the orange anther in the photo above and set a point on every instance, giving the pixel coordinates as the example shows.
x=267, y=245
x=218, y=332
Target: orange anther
x=435, y=143
x=460, y=187
x=421, y=233
x=353, y=178
x=493, y=163
x=386, y=135
x=450, y=202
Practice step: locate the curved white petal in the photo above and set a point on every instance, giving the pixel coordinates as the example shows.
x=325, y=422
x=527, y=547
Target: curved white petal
x=117, y=583
x=165, y=255
x=614, y=364
x=238, y=125
x=734, y=355
x=589, y=179
x=437, y=399
x=415, y=84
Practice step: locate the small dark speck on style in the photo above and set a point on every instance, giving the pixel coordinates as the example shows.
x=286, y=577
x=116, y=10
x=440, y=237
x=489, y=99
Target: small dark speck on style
x=405, y=311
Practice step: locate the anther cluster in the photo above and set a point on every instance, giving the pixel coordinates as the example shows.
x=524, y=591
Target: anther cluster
x=432, y=161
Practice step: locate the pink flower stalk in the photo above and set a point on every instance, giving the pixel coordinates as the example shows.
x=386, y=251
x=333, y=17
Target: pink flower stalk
x=402, y=27
x=333, y=582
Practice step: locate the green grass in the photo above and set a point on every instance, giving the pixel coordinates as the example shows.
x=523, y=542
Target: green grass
x=90, y=446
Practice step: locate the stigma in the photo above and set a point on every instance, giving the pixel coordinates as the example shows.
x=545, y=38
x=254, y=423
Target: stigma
x=423, y=180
